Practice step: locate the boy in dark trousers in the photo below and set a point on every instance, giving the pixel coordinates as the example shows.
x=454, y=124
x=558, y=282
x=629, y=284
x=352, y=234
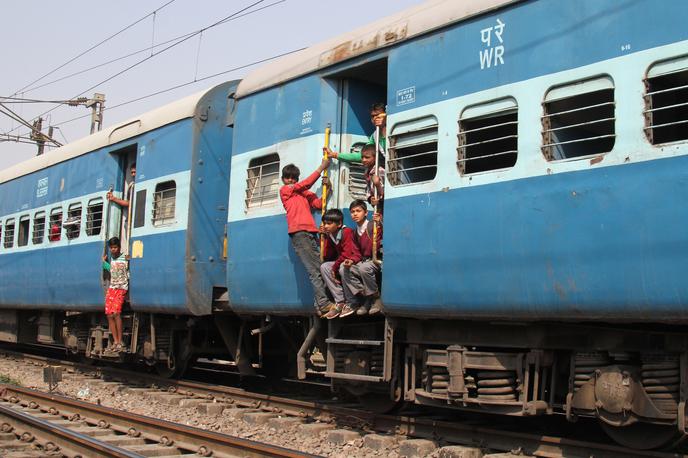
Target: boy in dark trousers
x=299, y=202
x=361, y=279
x=341, y=247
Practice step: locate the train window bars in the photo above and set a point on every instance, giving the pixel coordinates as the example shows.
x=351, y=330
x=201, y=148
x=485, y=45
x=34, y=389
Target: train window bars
x=412, y=151
x=38, y=228
x=578, y=119
x=8, y=240
x=55, y=233
x=94, y=216
x=23, y=232
x=666, y=101
x=164, y=203
x=262, y=182
x=488, y=137
x=357, y=181
x=72, y=224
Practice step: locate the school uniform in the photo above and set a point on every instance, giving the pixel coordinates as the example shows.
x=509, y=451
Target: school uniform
x=338, y=248
x=362, y=277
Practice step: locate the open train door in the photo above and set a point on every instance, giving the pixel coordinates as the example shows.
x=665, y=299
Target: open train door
x=360, y=87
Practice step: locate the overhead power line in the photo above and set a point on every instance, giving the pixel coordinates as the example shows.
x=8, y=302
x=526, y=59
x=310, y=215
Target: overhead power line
x=236, y=13
x=186, y=84
x=94, y=46
x=146, y=49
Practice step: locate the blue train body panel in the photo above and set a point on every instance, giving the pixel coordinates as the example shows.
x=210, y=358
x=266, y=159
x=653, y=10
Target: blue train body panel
x=586, y=245
x=577, y=239
x=175, y=263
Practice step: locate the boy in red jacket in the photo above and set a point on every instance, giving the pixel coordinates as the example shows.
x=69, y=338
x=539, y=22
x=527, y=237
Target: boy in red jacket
x=299, y=202
x=340, y=246
x=361, y=279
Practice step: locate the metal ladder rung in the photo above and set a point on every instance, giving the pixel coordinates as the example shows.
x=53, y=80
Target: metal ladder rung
x=372, y=343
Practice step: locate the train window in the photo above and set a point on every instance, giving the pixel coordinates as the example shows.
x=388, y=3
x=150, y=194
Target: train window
x=38, y=228
x=72, y=224
x=164, y=203
x=357, y=181
x=578, y=119
x=140, y=209
x=488, y=137
x=94, y=216
x=23, y=232
x=412, y=151
x=55, y=225
x=8, y=240
x=262, y=183
x=666, y=101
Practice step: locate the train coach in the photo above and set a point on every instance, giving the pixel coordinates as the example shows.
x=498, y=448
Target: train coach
x=534, y=245
x=55, y=220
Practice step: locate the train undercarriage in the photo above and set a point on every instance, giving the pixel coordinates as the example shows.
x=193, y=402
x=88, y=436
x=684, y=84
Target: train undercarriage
x=631, y=379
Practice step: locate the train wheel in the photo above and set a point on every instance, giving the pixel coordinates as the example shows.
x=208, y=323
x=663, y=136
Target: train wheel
x=177, y=361
x=379, y=403
x=642, y=436
x=172, y=368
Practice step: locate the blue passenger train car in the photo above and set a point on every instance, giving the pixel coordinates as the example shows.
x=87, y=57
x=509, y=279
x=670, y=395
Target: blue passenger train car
x=533, y=243
x=55, y=219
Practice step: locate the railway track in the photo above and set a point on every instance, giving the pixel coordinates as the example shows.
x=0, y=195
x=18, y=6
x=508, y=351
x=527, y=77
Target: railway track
x=495, y=438
x=67, y=427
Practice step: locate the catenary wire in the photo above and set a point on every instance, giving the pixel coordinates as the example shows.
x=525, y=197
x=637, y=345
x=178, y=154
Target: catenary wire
x=93, y=47
x=146, y=49
x=185, y=84
x=152, y=55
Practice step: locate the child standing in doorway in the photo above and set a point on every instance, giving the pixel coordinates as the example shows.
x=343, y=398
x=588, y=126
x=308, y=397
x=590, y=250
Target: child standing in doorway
x=117, y=292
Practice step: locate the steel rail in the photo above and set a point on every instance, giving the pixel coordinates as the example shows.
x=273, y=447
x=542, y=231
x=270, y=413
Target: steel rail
x=413, y=426
x=56, y=438
x=176, y=436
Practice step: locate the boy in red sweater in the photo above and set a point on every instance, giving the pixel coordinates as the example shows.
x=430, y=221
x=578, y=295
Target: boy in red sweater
x=299, y=202
x=340, y=246
x=361, y=279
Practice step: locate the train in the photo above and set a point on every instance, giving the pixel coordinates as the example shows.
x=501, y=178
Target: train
x=534, y=248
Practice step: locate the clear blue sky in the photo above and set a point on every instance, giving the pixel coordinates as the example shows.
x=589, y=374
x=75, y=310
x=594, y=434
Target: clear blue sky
x=37, y=40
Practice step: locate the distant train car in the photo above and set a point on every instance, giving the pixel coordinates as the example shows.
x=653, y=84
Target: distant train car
x=534, y=247
x=55, y=220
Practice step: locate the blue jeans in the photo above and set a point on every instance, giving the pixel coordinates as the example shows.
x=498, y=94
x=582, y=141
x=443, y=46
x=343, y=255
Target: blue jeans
x=307, y=250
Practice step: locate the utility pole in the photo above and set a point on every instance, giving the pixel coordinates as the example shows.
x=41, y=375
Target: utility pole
x=97, y=104
x=37, y=135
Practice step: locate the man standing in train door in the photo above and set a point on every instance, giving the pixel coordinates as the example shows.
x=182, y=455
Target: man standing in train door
x=126, y=208
x=117, y=291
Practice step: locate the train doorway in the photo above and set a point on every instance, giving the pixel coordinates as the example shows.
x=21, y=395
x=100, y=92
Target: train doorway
x=121, y=210
x=360, y=88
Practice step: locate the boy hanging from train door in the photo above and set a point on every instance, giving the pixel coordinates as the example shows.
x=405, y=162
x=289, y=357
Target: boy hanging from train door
x=378, y=117
x=117, y=291
x=299, y=201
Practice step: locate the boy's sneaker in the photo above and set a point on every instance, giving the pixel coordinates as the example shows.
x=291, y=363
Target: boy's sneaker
x=334, y=312
x=324, y=309
x=346, y=311
x=363, y=309
x=376, y=307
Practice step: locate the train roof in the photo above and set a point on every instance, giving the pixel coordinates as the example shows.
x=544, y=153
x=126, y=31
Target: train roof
x=167, y=114
x=380, y=34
